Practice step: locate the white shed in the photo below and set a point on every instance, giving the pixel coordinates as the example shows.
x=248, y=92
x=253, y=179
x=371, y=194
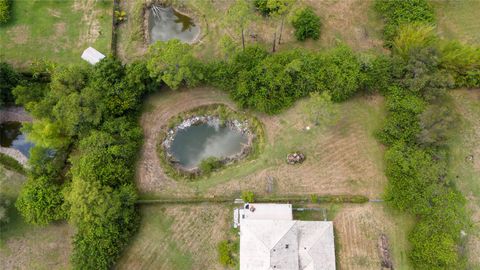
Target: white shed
x=92, y=56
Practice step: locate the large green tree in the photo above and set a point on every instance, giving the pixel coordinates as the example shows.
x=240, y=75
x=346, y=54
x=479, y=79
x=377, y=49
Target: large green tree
x=172, y=63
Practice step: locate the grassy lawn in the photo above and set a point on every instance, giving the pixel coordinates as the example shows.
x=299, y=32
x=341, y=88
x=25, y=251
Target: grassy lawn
x=352, y=22
x=466, y=171
x=177, y=237
x=458, y=19
x=57, y=31
x=24, y=246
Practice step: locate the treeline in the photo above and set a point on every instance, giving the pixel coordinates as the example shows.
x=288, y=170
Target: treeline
x=86, y=140
x=421, y=119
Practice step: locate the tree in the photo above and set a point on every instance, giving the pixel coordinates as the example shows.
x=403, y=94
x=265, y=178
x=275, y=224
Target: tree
x=279, y=10
x=240, y=14
x=172, y=62
x=307, y=24
x=320, y=108
x=413, y=37
x=248, y=196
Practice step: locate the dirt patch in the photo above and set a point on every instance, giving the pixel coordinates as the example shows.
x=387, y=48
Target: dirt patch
x=55, y=13
x=19, y=34
x=60, y=29
x=90, y=33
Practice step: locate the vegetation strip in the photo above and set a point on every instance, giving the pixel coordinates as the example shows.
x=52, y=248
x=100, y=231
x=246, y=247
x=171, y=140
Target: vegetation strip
x=272, y=199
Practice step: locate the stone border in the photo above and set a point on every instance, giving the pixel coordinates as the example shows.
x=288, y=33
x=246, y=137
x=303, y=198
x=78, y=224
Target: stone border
x=220, y=114
x=15, y=114
x=211, y=120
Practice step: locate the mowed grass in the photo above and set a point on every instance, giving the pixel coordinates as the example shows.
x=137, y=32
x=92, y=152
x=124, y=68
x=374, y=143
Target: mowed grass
x=25, y=246
x=57, y=31
x=344, y=158
x=465, y=163
x=177, y=237
x=358, y=228
x=458, y=19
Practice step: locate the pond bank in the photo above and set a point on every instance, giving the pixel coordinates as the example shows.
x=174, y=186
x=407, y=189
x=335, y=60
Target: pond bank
x=14, y=114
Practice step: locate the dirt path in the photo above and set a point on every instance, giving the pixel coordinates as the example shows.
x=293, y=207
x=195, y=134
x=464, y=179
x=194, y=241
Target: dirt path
x=150, y=176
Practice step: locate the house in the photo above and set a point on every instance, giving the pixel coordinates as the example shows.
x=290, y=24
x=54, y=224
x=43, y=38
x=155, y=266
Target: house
x=92, y=56
x=271, y=239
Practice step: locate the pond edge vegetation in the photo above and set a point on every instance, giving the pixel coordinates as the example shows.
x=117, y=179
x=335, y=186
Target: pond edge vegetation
x=255, y=132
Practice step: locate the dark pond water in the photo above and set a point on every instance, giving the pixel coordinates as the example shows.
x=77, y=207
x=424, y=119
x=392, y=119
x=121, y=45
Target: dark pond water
x=198, y=142
x=166, y=23
x=11, y=136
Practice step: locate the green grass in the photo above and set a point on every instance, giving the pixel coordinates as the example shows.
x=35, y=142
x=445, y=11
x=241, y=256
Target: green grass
x=53, y=30
x=458, y=19
x=291, y=139
x=156, y=233
x=466, y=143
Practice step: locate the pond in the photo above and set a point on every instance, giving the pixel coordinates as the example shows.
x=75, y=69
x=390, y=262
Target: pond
x=11, y=136
x=165, y=23
x=197, y=142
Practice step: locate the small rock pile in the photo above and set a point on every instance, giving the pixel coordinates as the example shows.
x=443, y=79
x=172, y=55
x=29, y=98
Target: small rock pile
x=295, y=158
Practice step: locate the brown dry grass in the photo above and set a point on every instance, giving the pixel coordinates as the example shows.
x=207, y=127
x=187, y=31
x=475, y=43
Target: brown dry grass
x=178, y=237
x=342, y=159
x=19, y=34
x=467, y=172
x=358, y=228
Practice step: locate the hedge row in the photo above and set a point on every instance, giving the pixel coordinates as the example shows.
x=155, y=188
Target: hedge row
x=420, y=120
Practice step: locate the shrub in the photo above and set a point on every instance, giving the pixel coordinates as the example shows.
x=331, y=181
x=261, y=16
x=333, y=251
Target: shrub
x=411, y=37
x=402, y=123
x=4, y=11
x=339, y=73
x=210, y=164
x=248, y=196
x=307, y=24
x=227, y=251
x=9, y=79
x=11, y=163
x=40, y=201
x=399, y=12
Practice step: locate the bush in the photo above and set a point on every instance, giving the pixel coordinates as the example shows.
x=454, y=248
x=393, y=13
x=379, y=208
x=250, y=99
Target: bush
x=413, y=37
x=400, y=12
x=339, y=73
x=227, y=251
x=11, y=163
x=307, y=24
x=40, y=201
x=9, y=78
x=209, y=165
x=402, y=123
x=248, y=196
x=4, y=11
